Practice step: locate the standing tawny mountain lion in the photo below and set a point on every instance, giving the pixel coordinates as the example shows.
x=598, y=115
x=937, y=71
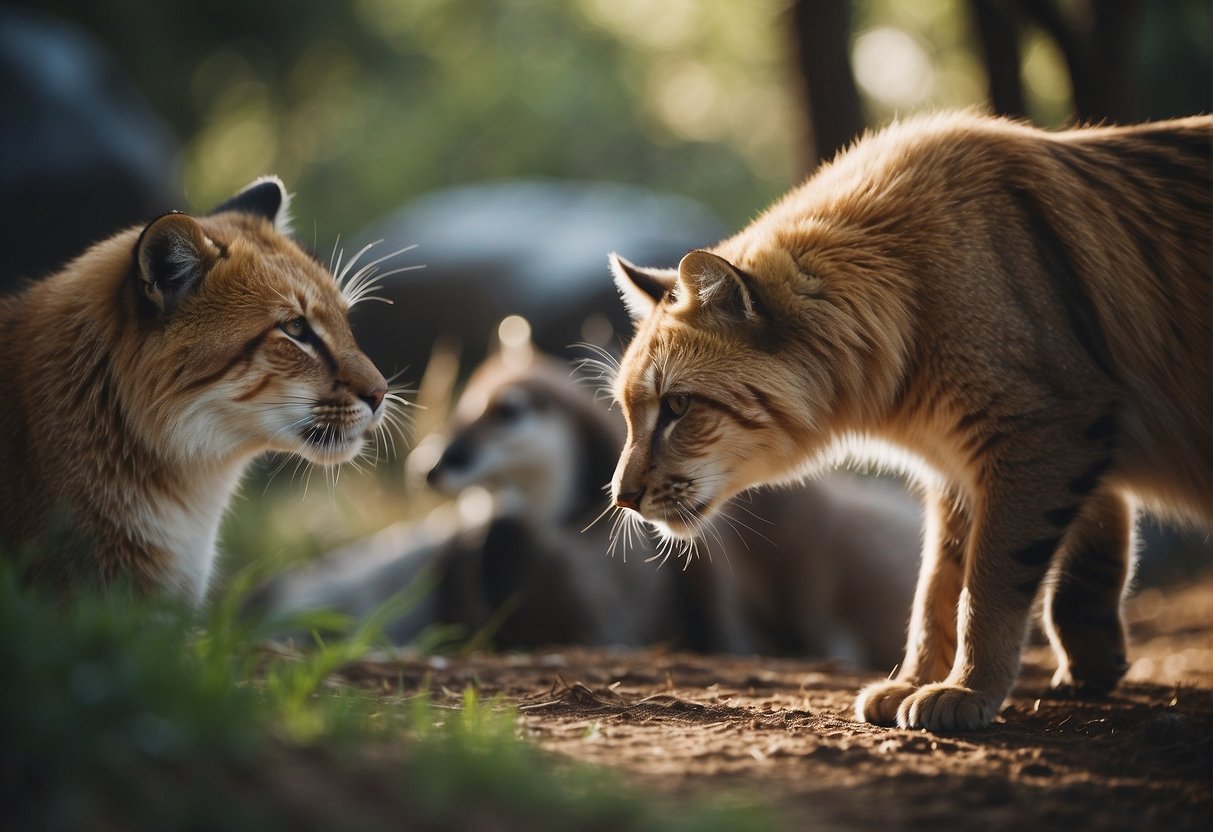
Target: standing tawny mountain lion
x=1020, y=318
x=139, y=381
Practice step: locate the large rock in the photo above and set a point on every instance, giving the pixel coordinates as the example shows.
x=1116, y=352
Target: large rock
x=537, y=248
x=81, y=155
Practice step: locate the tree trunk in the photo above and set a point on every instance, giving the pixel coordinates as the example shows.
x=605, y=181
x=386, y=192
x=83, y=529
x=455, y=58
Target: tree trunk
x=997, y=32
x=821, y=31
x=1100, y=50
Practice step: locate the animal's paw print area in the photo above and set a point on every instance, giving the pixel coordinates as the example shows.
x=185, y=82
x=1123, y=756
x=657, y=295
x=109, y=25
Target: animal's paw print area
x=944, y=708
x=878, y=703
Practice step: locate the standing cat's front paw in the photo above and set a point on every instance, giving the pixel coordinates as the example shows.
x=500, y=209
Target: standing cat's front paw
x=945, y=708
x=878, y=702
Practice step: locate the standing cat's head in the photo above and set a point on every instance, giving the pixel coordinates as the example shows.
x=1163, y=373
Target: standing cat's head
x=712, y=403
x=245, y=344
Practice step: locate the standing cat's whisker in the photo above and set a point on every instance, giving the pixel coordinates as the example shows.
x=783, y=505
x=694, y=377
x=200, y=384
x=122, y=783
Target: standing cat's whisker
x=599, y=370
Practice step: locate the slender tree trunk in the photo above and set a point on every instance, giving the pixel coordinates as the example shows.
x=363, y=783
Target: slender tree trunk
x=821, y=32
x=1115, y=32
x=997, y=31
x=1100, y=49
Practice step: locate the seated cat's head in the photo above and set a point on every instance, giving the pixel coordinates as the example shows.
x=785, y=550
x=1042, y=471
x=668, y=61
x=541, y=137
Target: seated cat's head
x=246, y=346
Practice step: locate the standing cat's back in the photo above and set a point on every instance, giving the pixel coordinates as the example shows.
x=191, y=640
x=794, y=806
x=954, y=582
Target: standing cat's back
x=1023, y=315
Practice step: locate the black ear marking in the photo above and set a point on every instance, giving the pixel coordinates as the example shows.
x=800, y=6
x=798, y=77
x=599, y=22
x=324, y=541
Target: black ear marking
x=264, y=197
x=641, y=288
x=172, y=255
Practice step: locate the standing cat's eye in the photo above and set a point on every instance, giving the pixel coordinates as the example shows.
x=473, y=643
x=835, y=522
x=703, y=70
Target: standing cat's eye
x=297, y=328
x=675, y=405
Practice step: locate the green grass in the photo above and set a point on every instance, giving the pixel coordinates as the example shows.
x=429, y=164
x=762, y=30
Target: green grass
x=118, y=713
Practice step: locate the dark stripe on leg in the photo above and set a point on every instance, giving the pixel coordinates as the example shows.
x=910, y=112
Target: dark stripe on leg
x=1032, y=585
x=1086, y=482
x=1095, y=567
x=1038, y=552
x=1063, y=517
x=1102, y=429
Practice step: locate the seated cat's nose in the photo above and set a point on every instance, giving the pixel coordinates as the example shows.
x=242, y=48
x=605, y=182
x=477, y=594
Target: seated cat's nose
x=630, y=499
x=374, y=398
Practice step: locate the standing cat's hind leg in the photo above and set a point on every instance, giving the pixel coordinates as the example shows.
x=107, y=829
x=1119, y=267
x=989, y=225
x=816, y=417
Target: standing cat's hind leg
x=1037, y=487
x=1082, y=603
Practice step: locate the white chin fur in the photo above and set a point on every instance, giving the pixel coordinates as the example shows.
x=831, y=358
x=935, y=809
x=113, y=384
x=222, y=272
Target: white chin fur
x=331, y=454
x=676, y=529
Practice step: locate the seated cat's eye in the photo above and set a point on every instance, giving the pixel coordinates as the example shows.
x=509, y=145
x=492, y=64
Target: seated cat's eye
x=676, y=405
x=296, y=328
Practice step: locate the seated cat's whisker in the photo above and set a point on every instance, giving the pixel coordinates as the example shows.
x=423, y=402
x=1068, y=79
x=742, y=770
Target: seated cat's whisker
x=362, y=282
x=334, y=257
x=340, y=276
x=364, y=288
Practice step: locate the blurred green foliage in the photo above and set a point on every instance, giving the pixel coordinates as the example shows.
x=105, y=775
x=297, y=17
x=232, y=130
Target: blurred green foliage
x=362, y=105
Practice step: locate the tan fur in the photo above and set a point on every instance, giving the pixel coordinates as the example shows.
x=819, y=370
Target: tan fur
x=132, y=404
x=1020, y=318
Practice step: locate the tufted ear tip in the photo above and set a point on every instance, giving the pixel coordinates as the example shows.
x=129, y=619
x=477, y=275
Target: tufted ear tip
x=265, y=197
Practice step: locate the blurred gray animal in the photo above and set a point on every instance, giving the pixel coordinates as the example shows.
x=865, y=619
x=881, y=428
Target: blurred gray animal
x=533, y=450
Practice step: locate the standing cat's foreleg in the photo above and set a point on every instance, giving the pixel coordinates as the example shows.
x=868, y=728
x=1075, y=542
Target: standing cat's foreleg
x=1034, y=491
x=931, y=639
x=1082, y=603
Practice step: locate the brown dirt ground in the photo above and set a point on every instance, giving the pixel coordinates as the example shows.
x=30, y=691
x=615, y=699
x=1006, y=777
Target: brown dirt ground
x=781, y=731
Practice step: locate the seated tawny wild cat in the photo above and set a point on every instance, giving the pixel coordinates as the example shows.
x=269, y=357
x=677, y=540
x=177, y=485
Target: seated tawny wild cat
x=140, y=381
x=1019, y=318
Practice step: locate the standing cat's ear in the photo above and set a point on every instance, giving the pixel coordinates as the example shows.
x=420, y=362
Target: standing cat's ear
x=714, y=286
x=641, y=289
x=171, y=257
x=264, y=197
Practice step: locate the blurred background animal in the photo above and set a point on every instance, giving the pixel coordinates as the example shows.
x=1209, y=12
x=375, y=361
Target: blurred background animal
x=525, y=455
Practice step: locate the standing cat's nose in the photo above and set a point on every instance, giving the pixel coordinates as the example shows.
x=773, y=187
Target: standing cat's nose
x=374, y=398
x=630, y=499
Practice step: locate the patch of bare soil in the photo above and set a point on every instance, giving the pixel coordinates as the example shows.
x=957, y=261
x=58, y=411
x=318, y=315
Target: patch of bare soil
x=782, y=731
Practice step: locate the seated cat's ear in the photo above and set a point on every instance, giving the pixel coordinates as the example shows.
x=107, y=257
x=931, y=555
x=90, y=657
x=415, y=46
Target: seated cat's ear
x=171, y=257
x=641, y=288
x=717, y=289
x=264, y=197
